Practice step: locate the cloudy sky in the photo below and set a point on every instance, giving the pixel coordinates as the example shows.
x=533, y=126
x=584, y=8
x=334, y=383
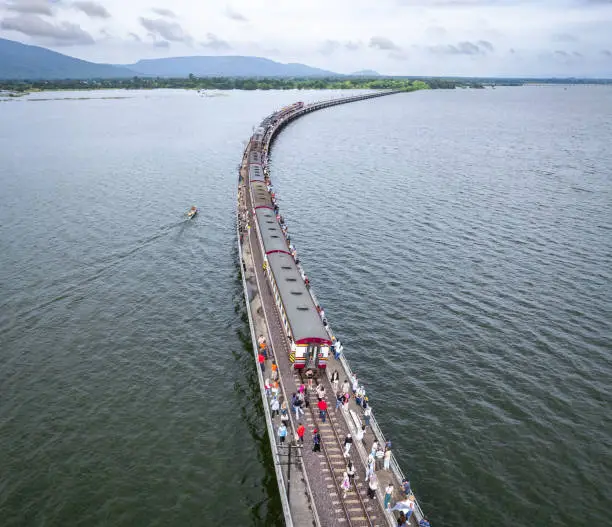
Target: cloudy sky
x=395, y=37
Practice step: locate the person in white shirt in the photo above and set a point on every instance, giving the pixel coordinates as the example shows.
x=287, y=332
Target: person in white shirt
x=337, y=349
x=367, y=414
x=388, y=495
x=360, y=434
x=348, y=443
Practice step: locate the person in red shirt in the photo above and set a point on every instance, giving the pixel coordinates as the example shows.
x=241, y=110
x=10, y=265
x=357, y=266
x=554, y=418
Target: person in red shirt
x=322, y=404
x=262, y=362
x=300, y=432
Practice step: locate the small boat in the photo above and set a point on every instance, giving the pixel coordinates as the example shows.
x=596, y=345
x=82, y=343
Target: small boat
x=192, y=212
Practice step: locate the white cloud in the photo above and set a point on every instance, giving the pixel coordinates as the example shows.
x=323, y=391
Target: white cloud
x=403, y=37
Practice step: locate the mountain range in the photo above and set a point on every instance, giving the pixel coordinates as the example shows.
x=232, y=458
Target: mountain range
x=22, y=61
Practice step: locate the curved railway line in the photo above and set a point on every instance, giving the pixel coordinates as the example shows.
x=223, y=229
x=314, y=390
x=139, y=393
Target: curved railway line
x=322, y=472
x=344, y=511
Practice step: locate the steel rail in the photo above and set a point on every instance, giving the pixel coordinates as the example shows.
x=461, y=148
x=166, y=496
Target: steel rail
x=248, y=198
x=341, y=447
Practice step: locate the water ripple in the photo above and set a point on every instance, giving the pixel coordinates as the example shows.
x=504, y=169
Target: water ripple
x=460, y=249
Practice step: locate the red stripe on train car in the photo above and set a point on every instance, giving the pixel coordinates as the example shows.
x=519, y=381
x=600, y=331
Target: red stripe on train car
x=279, y=251
x=313, y=340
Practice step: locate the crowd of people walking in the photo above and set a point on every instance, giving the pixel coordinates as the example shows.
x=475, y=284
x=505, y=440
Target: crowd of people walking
x=378, y=453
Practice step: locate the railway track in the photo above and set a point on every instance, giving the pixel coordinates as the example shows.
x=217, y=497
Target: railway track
x=325, y=474
x=357, y=512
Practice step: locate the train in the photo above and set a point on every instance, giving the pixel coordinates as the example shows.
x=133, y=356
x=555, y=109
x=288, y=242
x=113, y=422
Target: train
x=308, y=335
x=271, y=120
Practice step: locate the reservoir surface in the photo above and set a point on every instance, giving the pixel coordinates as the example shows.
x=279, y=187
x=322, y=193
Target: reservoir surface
x=459, y=241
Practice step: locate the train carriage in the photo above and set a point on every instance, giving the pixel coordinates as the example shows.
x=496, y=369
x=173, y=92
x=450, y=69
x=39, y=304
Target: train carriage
x=257, y=141
x=256, y=172
x=270, y=232
x=310, y=342
x=255, y=157
x=260, y=195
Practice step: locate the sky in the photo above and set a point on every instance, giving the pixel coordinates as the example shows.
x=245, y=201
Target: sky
x=393, y=37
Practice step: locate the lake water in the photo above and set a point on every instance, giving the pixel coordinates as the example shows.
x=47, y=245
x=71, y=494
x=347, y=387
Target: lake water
x=460, y=242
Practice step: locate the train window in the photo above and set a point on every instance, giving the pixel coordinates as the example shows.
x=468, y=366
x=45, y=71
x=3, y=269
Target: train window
x=302, y=308
x=291, y=279
x=274, y=235
x=286, y=267
x=297, y=293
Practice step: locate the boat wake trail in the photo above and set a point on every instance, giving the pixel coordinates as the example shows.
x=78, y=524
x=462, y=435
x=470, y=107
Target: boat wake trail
x=74, y=282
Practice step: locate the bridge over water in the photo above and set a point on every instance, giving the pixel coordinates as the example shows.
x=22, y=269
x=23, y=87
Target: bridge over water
x=298, y=338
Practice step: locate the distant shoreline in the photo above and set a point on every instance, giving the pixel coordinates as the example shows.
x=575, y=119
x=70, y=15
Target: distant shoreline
x=227, y=83
x=19, y=88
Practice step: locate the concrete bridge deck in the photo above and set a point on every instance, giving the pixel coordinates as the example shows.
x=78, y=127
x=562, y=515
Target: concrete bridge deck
x=314, y=496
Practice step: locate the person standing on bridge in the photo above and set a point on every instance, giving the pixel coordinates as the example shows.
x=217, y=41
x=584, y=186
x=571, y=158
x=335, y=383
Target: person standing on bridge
x=316, y=441
x=346, y=484
x=275, y=407
x=387, y=459
x=282, y=432
x=339, y=400
x=372, y=486
x=337, y=349
x=320, y=391
x=380, y=454
x=350, y=470
x=345, y=405
x=322, y=404
x=305, y=401
x=348, y=443
x=309, y=376
x=374, y=448
x=284, y=413
x=301, y=430
x=360, y=434
x=297, y=404
x=388, y=496
x=359, y=396
x=262, y=362
x=406, y=487
x=335, y=379
x=370, y=467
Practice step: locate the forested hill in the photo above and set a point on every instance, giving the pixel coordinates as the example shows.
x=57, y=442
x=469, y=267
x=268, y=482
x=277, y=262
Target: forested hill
x=224, y=66
x=21, y=61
